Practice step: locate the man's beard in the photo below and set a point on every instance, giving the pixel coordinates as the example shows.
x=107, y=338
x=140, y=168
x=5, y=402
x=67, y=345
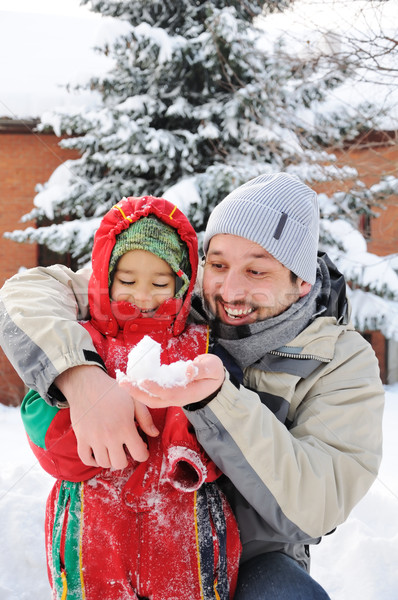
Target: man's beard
x=263, y=312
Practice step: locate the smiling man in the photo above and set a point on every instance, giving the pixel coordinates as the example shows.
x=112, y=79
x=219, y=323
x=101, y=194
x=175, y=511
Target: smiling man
x=243, y=283
x=288, y=402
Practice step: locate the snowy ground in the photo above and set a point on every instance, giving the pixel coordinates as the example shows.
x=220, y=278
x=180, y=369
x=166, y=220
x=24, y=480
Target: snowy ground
x=358, y=562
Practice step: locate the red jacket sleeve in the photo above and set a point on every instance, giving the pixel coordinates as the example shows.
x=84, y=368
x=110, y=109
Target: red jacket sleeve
x=187, y=464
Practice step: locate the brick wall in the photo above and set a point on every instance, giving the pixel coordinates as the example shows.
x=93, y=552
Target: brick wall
x=372, y=155
x=25, y=159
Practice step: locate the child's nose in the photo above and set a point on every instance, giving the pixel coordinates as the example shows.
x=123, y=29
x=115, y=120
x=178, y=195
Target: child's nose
x=142, y=296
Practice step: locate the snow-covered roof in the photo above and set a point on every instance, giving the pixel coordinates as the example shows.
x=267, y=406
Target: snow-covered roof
x=40, y=54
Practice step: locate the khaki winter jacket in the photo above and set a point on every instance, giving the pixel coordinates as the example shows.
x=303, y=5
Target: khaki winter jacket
x=297, y=474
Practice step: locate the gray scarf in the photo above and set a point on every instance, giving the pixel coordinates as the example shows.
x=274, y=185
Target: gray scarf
x=249, y=343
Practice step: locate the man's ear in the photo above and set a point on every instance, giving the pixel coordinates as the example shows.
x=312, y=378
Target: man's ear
x=305, y=288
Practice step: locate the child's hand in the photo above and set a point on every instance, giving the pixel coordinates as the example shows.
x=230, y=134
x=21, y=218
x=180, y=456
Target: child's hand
x=205, y=375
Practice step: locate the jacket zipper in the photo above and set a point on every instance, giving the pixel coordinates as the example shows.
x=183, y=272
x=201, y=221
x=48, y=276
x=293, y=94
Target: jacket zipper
x=299, y=356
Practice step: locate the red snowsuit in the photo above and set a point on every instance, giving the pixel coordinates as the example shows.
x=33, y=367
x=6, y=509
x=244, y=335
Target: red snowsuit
x=160, y=529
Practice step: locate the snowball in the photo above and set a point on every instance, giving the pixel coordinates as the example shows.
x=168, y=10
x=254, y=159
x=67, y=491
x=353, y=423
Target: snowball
x=144, y=363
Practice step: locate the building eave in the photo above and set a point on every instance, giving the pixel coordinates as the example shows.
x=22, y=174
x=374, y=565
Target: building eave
x=27, y=126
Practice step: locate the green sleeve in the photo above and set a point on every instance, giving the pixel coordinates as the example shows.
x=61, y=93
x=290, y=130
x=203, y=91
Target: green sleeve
x=37, y=416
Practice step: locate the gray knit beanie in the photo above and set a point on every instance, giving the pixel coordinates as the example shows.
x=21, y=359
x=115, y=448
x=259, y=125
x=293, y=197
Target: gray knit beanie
x=279, y=213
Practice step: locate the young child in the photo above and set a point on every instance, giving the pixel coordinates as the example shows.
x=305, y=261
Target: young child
x=159, y=529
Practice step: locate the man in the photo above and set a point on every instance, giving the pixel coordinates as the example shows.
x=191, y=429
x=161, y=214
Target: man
x=294, y=420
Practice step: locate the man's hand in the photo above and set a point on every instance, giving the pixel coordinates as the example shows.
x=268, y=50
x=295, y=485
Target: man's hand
x=205, y=376
x=103, y=417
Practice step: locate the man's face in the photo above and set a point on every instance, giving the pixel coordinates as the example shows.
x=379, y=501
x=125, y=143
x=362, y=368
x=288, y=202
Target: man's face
x=242, y=283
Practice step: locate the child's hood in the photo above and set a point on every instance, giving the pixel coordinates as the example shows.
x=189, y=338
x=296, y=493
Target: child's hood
x=120, y=217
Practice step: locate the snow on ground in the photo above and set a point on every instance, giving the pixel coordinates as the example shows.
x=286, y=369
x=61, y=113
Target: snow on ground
x=358, y=561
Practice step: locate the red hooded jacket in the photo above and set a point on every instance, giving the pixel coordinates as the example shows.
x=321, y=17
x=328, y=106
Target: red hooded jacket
x=144, y=495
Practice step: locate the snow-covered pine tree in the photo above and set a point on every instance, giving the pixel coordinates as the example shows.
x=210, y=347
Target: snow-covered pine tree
x=199, y=94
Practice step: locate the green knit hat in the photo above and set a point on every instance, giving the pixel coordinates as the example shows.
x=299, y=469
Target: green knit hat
x=151, y=234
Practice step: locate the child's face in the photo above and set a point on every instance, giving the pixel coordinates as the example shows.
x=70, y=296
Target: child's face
x=143, y=279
